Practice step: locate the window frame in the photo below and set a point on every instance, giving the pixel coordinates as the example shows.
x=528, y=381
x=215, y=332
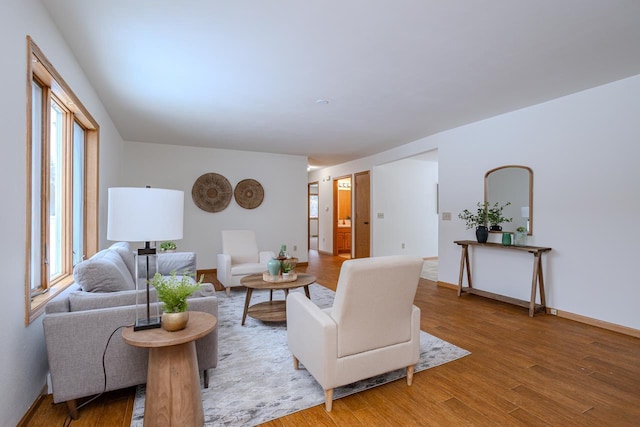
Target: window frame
x=42, y=72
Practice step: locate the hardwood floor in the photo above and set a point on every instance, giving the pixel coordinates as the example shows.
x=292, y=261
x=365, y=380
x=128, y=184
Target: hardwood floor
x=522, y=372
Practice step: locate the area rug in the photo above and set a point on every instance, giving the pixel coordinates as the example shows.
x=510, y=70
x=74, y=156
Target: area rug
x=430, y=270
x=255, y=382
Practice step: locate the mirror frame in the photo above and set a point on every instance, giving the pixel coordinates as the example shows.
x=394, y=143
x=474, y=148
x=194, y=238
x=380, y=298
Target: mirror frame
x=528, y=169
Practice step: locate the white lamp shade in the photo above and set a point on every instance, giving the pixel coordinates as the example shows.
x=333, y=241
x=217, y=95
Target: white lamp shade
x=145, y=214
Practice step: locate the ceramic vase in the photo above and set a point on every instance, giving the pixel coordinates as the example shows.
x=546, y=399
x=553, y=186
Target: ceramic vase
x=274, y=267
x=482, y=234
x=520, y=238
x=506, y=239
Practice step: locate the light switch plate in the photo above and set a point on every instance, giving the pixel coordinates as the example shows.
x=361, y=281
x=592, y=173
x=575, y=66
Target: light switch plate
x=446, y=216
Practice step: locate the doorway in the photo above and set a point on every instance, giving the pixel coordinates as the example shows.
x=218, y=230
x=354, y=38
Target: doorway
x=313, y=216
x=342, y=235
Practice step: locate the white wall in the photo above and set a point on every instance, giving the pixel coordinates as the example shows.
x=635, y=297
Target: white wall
x=406, y=196
x=584, y=152
x=23, y=360
x=280, y=219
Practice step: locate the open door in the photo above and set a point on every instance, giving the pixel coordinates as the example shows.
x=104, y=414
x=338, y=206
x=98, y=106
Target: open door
x=362, y=215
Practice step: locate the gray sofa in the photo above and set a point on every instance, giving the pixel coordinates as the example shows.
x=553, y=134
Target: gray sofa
x=78, y=324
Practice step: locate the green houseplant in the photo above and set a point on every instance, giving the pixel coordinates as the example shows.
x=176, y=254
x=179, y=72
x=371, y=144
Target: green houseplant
x=167, y=246
x=478, y=220
x=494, y=215
x=173, y=292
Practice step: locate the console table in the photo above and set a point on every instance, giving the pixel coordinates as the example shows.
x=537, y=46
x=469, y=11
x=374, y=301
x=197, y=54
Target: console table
x=537, y=278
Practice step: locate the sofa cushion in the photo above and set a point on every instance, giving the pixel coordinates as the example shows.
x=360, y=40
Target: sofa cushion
x=127, y=255
x=103, y=272
x=82, y=301
x=244, y=269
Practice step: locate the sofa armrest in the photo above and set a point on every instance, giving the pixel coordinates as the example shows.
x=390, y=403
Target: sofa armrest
x=312, y=337
x=223, y=270
x=178, y=261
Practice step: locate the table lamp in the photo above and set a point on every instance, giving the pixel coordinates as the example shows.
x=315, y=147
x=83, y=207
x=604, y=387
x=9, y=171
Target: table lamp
x=145, y=215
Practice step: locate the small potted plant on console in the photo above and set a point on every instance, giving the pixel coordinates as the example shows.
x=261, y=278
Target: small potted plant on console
x=494, y=215
x=478, y=220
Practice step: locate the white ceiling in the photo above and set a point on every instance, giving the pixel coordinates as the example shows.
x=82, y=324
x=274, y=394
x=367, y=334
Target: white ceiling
x=246, y=75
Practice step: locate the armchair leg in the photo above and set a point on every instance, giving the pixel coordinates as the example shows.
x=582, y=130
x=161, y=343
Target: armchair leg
x=328, y=399
x=205, y=377
x=410, y=370
x=296, y=363
x=228, y=291
x=72, y=406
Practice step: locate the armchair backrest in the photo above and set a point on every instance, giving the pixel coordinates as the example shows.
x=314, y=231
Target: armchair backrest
x=373, y=302
x=241, y=245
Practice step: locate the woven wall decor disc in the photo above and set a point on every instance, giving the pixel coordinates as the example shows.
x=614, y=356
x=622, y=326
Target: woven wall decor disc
x=249, y=193
x=211, y=192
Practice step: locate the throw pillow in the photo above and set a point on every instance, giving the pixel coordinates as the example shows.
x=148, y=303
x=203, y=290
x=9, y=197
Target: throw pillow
x=103, y=272
x=127, y=255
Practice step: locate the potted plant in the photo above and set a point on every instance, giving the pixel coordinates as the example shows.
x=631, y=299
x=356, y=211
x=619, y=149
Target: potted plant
x=520, y=236
x=167, y=246
x=173, y=292
x=494, y=215
x=478, y=220
x=288, y=265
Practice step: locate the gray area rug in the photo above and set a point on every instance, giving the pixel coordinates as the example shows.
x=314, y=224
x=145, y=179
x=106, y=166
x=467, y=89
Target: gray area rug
x=430, y=270
x=255, y=382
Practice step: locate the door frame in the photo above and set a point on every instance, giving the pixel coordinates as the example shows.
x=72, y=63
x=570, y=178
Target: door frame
x=317, y=184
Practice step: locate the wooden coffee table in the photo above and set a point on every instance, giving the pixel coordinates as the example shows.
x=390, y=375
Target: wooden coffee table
x=271, y=311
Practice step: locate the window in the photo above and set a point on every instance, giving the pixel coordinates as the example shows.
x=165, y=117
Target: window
x=62, y=175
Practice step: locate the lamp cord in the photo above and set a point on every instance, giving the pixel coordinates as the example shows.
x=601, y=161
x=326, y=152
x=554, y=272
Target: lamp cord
x=68, y=420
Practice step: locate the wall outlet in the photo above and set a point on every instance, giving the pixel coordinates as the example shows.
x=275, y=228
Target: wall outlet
x=295, y=248
x=553, y=311
x=380, y=215
x=403, y=246
x=446, y=216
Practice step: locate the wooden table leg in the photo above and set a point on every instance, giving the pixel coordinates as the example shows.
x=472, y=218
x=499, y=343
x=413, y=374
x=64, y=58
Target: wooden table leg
x=462, y=258
x=466, y=257
x=173, y=387
x=306, y=291
x=247, y=299
x=534, y=283
x=543, y=301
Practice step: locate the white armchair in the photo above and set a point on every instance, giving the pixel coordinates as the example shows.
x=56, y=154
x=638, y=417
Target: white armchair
x=240, y=257
x=372, y=328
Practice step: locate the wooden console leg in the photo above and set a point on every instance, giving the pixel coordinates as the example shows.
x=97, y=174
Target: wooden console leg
x=205, y=377
x=534, y=283
x=543, y=299
x=464, y=250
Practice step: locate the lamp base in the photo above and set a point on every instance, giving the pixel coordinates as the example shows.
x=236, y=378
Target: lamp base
x=150, y=323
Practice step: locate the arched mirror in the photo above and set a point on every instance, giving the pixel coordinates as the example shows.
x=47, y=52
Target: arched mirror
x=511, y=184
